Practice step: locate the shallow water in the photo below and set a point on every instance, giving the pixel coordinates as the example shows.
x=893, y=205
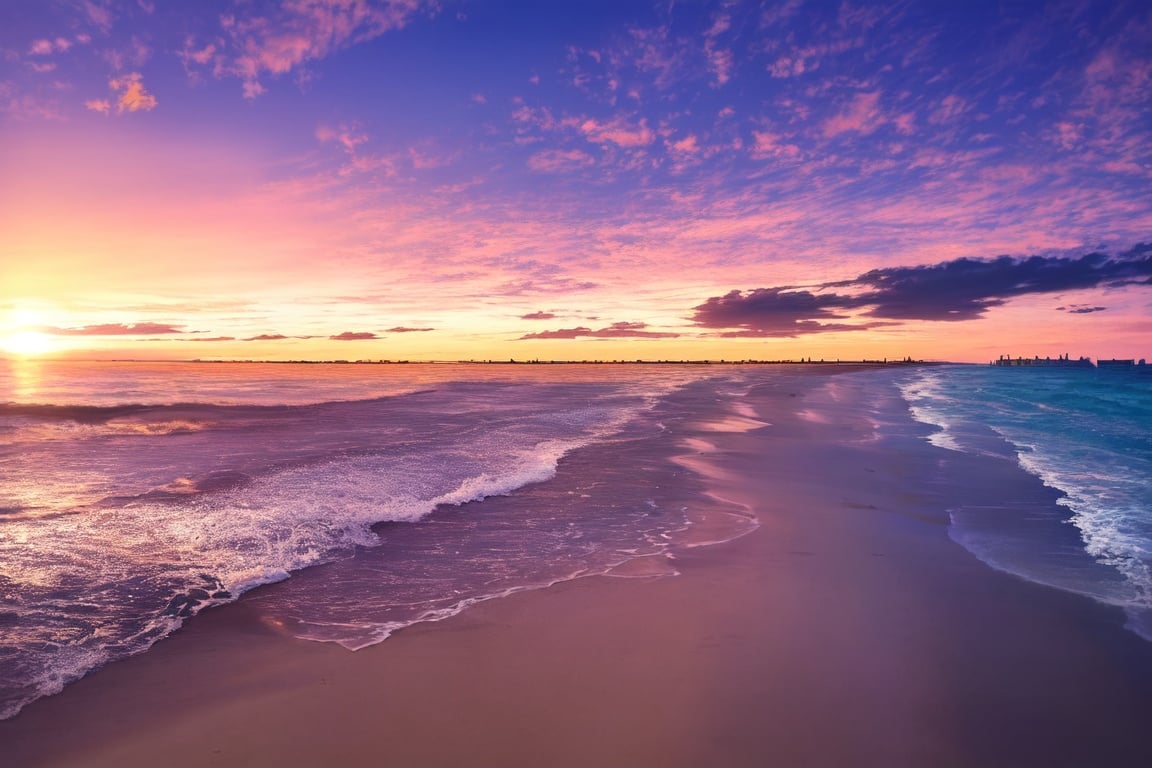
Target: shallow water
x=135, y=495
x=1085, y=433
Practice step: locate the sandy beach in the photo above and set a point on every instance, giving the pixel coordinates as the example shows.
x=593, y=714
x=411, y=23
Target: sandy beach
x=847, y=629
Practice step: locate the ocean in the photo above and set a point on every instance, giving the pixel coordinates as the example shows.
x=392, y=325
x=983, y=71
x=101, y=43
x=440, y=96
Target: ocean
x=1087, y=433
x=135, y=495
x=345, y=502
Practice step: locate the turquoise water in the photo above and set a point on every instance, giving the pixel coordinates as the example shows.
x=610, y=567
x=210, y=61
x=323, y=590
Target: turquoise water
x=1087, y=434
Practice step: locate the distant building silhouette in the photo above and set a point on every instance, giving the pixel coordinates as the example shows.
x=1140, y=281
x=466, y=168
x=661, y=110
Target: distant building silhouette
x=1063, y=361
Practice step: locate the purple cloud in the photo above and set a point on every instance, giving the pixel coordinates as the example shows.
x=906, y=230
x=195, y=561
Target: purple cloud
x=615, y=331
x=287, y=36
x=961, y=289
x=1080, y=309
x=538, y=316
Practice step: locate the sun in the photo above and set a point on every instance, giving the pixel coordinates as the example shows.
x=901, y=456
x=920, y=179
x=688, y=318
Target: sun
x=27, y=343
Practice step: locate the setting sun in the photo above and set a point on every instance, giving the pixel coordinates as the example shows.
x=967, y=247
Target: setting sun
x=28, y=343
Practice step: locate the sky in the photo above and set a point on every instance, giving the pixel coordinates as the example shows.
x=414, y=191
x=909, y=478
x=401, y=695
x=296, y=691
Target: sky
x=495, y=179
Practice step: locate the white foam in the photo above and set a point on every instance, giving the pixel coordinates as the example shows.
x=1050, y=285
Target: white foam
x=920, y=393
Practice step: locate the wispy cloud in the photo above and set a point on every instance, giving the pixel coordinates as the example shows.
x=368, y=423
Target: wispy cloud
x=102, y=106
x=618, y=131
x=115, y=329
x=47, y=47
x=254, y=45
x=560, y=160
x=861, y=115
x=354, y=336
x=621, y=330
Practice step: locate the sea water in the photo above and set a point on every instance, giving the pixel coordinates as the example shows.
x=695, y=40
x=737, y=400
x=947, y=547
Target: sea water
x=135, y=495
x=1087, y=433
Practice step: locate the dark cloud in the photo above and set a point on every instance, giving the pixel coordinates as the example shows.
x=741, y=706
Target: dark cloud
x=406, y=329
x=115, y=329
x=775, y=312
x=615, y=331
x=962, y=289
x=1080, y=309
x=354, y=336
x=538, y=316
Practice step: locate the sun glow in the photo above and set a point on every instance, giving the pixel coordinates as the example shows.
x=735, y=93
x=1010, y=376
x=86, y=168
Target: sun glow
x=28, y=343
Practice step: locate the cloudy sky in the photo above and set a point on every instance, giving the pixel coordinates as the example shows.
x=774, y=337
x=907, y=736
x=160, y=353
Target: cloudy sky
x=588, y=179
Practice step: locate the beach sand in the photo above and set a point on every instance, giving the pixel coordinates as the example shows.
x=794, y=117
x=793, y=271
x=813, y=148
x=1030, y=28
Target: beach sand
x=846, y=630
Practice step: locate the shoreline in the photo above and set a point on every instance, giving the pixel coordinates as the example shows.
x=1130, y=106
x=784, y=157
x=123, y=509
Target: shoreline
x=847, y=628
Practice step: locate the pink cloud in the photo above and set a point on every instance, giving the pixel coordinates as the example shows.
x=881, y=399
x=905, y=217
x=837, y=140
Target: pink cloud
x=103, y=106
x=202, y=56
x=99, y=15
x=687, y=145
x=136, y=53
x=769, y=144
x=721, y=61
x=132, y=96
x=862, y=115
x=115, y=329
x=777, y=13
x=424, y=158
x=619, y=132
x=354, y=336
x=801, y=60
x=1068, y=135
x=905, y=123
x=558, y=160
x=25, y=106
x=948, y=110
x=654, y=52
x=787, y=66
x=348, y=136
x=300, y=31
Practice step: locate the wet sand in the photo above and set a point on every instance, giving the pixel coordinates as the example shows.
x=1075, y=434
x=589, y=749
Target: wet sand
x=847, y=629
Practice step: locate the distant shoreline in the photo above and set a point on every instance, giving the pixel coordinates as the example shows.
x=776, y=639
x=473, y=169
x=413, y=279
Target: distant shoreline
x=534, y=361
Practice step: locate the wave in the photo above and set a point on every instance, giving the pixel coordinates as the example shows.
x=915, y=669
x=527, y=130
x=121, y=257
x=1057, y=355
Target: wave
x=1078, y=433
x=146, y=521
